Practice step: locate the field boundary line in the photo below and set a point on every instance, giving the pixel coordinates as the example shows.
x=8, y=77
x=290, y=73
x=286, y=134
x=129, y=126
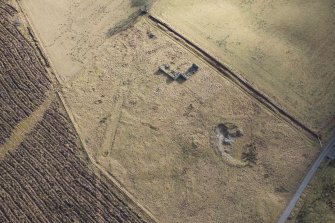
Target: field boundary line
x=235, y=77
x=40, y=48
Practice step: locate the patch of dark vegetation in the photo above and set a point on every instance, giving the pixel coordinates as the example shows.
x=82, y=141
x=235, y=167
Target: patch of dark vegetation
x=124, y=24
x=250, y=154
x=139, y=3
x=281, y=189
x=143, y=7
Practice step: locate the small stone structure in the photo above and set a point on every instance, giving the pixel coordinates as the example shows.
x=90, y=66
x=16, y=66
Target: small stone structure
x=175, y=75
x=229, y=132
x=190, y=71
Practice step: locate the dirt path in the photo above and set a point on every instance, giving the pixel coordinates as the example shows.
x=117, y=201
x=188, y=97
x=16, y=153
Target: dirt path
x=112, y=126
x=25, y=126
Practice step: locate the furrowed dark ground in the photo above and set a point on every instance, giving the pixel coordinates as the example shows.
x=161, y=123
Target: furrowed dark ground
x=44, y=181
x=23, y=80
x=48, y=177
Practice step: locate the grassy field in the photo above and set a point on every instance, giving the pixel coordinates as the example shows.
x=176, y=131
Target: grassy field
x=159, y=137
x=71, y=30
x=285, y=48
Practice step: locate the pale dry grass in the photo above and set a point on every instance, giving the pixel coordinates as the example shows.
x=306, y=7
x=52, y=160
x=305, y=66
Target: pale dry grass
x=285, y=48
x=156, y=136
x=72, y=30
